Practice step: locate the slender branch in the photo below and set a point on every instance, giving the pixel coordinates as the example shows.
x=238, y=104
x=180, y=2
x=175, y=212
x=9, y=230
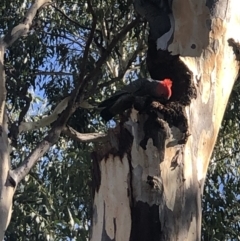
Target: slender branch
x=53, y=135
x=89, y=41
x=59, y=73
x=27, y=126
x=20, y=172
x=111, y=46
x=75, y=40
x=3, y=92
x=84, y=137
x=71, y=20
x=233, y=155
x=24, y=27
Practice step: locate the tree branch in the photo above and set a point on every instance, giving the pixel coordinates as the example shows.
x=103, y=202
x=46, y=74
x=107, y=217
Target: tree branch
x=111, y=46
x=28, y=126
x=23, y=28
x=88, y=43
x=59, y=73
x=71, y=20
x=233, y=155
x=20, y=172
x=106, y=54
x=84, y=137
x=3, y=92
x=73, y=103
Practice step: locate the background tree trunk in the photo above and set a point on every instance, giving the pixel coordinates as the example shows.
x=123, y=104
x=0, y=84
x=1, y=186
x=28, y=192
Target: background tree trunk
x=6, y=190
x=148, y=179
x=7, y=182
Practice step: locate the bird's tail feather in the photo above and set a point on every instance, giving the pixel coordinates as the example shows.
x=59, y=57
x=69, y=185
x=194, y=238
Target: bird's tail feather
x=106, y=114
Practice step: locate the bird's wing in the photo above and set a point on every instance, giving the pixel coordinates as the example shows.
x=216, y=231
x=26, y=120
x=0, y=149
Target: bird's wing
x=123, y=103
x=118, y=106
x=111, y=100
x=135, y=86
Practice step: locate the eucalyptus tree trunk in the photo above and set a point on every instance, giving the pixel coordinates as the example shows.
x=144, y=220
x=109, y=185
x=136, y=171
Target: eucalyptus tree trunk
x=6, y=189
x=10, y=178
x=149, y=177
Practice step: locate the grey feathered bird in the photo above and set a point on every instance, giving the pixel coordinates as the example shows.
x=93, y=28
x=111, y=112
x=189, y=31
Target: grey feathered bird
x=124, y=99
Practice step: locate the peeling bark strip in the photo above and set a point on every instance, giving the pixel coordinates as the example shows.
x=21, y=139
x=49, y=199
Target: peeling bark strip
x=158, y=196
x=2, y=87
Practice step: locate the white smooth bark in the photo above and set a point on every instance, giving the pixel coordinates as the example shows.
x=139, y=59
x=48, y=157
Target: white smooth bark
x=165, y=193
x=8, y=185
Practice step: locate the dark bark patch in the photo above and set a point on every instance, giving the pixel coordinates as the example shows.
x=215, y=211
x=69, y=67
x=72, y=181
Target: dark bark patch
x=177, y=160
x=236, y=48
x=161, y=64
x=11, y=182
x=146, y=224
x=174, y=114
x=155, y=183
x=96, y=174
x=95, y=215
x=158, y=130
x=105, y=236
x=121, y=142
x=211, y=4
x=193, y=46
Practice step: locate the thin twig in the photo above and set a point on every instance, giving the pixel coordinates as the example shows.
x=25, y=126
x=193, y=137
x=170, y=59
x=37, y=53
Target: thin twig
x=71, y=20
x=59, y=73
x=88, y=43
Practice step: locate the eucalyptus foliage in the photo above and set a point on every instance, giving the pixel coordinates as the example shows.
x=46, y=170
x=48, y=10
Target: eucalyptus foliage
x=221, y=205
